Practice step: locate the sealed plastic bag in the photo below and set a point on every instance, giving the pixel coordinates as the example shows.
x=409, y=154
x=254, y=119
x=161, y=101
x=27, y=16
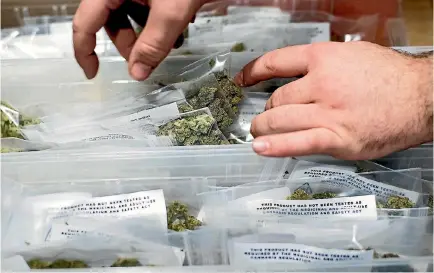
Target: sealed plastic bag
x=252, y=105
x=309, y=198
x=12, y=120
x=269, y=249
x=10, y=145
x=193, y=128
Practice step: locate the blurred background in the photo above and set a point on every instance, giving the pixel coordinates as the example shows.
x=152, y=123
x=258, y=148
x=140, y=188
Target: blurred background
x=407, y=22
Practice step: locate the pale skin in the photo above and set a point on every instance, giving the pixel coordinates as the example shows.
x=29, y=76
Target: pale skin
x=356, y=100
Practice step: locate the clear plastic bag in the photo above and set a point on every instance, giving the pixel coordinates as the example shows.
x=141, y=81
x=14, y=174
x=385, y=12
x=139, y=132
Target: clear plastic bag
x=10, y=145
x=193, y=128
x=12, y=121
x=303, y=248
x=421, y=157
x=312, y=198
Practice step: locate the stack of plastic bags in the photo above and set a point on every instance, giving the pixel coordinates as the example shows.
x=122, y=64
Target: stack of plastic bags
x=218, y=26
x=159, y=176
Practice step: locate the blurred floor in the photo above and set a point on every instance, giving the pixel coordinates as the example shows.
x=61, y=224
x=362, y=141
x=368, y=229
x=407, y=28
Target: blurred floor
x=418, y=15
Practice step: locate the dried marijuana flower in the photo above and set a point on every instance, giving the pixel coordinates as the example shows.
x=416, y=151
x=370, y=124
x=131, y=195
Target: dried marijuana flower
x=185, y=107
x=324, y=195
x=193, y=130
x=303, y=195
x=238, y=47
x=10, y=128
x=126, y=263
x=230, y=90
x=398, y=202
x=299, y=195
x=178, y=218
x=39, y=264
x=9, y=150
x=207, y=97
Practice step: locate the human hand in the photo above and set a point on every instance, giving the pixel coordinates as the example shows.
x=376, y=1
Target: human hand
x=356, y=101
x=166, y=22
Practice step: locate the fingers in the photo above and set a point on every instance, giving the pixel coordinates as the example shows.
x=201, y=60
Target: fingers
x=90, y=17
x=120, y=31
x=167, y=20
x=288, y=118
x=296, y=92
x=286, y=62
x=300, y=143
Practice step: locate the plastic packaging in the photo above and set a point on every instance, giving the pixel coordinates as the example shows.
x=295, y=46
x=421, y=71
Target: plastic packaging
x=257, y=249
x=193, y=128
x=12, y=121
x=421, y=157
x=208, y=161
x=10, y=145
x=267, y=201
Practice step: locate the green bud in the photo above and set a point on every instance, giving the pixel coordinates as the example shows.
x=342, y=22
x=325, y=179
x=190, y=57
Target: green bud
x=179, y=219
x=324, y=195
x=193, y=130
x=230, y=89
x=9, y=150
x=10, y=128
x=126, y=263
x=238, y=47
x=398, y=202
x=39, y=264
x=299, y=195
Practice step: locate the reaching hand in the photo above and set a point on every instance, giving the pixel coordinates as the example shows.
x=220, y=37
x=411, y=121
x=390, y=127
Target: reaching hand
x=166, y=21
x=356, y=101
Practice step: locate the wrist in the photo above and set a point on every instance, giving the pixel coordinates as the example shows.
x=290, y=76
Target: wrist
x=425, y=92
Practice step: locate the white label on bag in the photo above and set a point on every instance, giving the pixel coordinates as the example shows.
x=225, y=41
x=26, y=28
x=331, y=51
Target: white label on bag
x=123, y=205
x=348, y=179
x=357, y=206
x=61, y=231
x=144, y=121
x=304, y=169
x=110, y=137
x=260, y=253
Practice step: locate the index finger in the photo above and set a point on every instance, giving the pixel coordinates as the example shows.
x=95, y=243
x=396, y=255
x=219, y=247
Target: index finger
x=90, y=17
x=285, y=62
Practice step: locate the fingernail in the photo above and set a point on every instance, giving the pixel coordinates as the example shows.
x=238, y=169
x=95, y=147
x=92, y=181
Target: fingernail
x=140, y=71
x=260, y=146
x=239, y=79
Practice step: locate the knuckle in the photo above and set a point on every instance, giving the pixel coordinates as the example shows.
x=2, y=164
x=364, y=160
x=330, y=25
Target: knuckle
x=269, y=62
x=275, y=100
x=148, y=53
x=273, y=122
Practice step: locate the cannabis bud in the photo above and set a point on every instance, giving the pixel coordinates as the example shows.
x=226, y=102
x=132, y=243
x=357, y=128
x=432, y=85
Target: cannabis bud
x=10, y=128
x=193, y=130
x=324, y=195
x=185, y=107
x=207, y=97
x=126, y=263
x=9, y=150
x=39, y=264
x=300, y=194
x=230, y=90
x=238, y=47
x=178, y=218
x=398, y=202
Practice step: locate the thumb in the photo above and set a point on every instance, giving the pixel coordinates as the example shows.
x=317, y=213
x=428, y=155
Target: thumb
x=167, y=20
